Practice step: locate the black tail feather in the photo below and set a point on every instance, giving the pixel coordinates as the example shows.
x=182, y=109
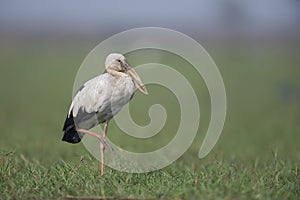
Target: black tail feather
x=70, y=133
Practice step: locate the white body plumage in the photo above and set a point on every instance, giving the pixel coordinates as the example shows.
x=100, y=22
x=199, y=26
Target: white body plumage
x=102, y=97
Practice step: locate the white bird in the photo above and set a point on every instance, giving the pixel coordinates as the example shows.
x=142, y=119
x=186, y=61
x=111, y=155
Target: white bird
x=99, y=99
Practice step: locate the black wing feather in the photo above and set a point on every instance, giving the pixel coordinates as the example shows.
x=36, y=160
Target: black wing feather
x=69, y=129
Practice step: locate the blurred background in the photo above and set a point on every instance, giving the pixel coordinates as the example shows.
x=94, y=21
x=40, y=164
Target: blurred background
x=255, y=44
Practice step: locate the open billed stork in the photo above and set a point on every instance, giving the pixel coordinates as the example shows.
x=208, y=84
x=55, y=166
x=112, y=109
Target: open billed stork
x=99, y=99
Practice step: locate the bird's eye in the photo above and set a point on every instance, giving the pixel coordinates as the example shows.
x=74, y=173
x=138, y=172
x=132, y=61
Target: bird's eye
x=119, y=60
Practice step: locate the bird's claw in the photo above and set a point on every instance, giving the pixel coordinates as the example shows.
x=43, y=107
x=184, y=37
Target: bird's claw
x=105, y=143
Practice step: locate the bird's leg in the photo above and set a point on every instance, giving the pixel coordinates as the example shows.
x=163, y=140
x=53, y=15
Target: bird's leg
x=100, y=137
x=102, y=158
x=102, y=147
x=105, y=128
x=102, y=144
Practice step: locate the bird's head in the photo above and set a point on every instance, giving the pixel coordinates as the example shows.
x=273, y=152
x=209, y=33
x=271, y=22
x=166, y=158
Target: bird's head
x=116, y=65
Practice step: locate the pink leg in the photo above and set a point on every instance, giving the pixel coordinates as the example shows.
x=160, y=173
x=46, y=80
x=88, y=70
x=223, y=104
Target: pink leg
x=88, y=132
x=102, y=142
x=102, y=158
x=102, y=147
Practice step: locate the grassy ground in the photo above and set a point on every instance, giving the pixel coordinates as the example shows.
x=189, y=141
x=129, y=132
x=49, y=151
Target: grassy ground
x=216, y=178
x=256, y=157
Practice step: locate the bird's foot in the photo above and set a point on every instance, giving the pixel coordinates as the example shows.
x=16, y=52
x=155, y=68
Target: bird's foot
x=105, y=143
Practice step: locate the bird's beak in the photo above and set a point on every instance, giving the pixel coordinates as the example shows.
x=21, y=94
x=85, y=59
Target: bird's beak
x=136, y=79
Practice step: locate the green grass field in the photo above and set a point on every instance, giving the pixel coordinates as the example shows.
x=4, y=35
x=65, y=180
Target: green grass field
x=257, y=156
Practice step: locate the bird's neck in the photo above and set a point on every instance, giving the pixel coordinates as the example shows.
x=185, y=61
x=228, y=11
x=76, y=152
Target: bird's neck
x=116, y=73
